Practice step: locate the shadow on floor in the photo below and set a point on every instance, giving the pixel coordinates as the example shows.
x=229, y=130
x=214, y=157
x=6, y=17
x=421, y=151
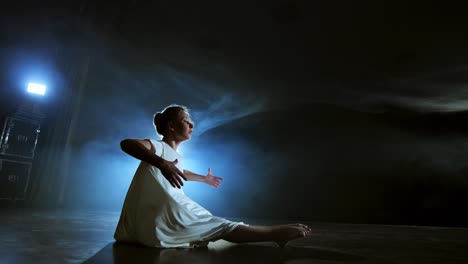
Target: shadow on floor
x=225, y=253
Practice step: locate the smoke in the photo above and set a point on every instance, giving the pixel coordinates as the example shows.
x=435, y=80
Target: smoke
x=454, y=102
x=226, y=109
x=119, y=102
x=449, y=103
x=442, y=90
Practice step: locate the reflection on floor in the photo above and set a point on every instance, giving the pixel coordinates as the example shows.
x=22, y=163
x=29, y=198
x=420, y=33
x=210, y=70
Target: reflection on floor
x=86, y=237
x=222, y=252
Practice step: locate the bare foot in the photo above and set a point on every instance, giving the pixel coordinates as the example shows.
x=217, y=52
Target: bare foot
x=299, y=224
x=284, y=233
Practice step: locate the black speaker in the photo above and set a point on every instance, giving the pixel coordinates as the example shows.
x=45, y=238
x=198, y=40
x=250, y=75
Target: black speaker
x=19, y=137
x=14, y=179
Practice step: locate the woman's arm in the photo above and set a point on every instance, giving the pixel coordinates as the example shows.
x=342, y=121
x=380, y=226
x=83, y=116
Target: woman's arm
x=209, y=179
x=191, y=176
x=143, y=150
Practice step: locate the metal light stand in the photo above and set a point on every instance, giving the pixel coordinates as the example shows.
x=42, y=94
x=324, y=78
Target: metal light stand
x=18, y=143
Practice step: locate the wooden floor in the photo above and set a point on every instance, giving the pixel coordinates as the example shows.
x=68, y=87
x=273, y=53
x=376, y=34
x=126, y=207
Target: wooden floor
x=86, y=237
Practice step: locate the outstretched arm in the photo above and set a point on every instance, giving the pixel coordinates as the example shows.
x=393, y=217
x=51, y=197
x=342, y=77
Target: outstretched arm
x=143, y=150
x=209, y=179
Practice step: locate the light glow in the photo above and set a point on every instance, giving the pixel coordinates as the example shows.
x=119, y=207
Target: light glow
x=36, y=88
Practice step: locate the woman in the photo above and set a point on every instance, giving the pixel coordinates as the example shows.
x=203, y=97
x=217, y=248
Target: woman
x=156, y=211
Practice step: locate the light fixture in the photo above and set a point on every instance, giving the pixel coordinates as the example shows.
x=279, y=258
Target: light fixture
x=36, y=88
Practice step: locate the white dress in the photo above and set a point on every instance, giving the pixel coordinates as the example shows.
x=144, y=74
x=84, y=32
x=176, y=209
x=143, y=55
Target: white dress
x=156, y=214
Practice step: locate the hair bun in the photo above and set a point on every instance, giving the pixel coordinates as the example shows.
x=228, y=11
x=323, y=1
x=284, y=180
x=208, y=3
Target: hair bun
x=163, y=118
x=158, y=117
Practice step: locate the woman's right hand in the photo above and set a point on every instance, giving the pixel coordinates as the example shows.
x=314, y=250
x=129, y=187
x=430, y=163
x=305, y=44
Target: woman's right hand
x=172, y=173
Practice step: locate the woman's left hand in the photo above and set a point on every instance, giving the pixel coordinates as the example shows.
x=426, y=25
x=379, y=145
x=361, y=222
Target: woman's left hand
x=212, y=180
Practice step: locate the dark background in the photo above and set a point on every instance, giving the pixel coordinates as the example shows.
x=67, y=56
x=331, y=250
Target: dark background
x=340, y=111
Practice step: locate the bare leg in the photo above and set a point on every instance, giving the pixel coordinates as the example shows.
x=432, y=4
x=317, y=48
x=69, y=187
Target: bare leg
x=281, y=234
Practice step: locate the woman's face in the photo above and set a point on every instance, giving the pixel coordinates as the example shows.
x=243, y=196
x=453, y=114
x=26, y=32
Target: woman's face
x=183, y=127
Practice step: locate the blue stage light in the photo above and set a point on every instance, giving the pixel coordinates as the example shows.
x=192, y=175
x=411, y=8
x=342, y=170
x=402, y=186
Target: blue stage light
x=36, y=88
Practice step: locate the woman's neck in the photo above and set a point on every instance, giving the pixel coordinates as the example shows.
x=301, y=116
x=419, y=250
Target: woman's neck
x=171, y=142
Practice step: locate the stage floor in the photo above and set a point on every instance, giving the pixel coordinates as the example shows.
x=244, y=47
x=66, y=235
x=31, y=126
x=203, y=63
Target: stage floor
x=86, y=237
